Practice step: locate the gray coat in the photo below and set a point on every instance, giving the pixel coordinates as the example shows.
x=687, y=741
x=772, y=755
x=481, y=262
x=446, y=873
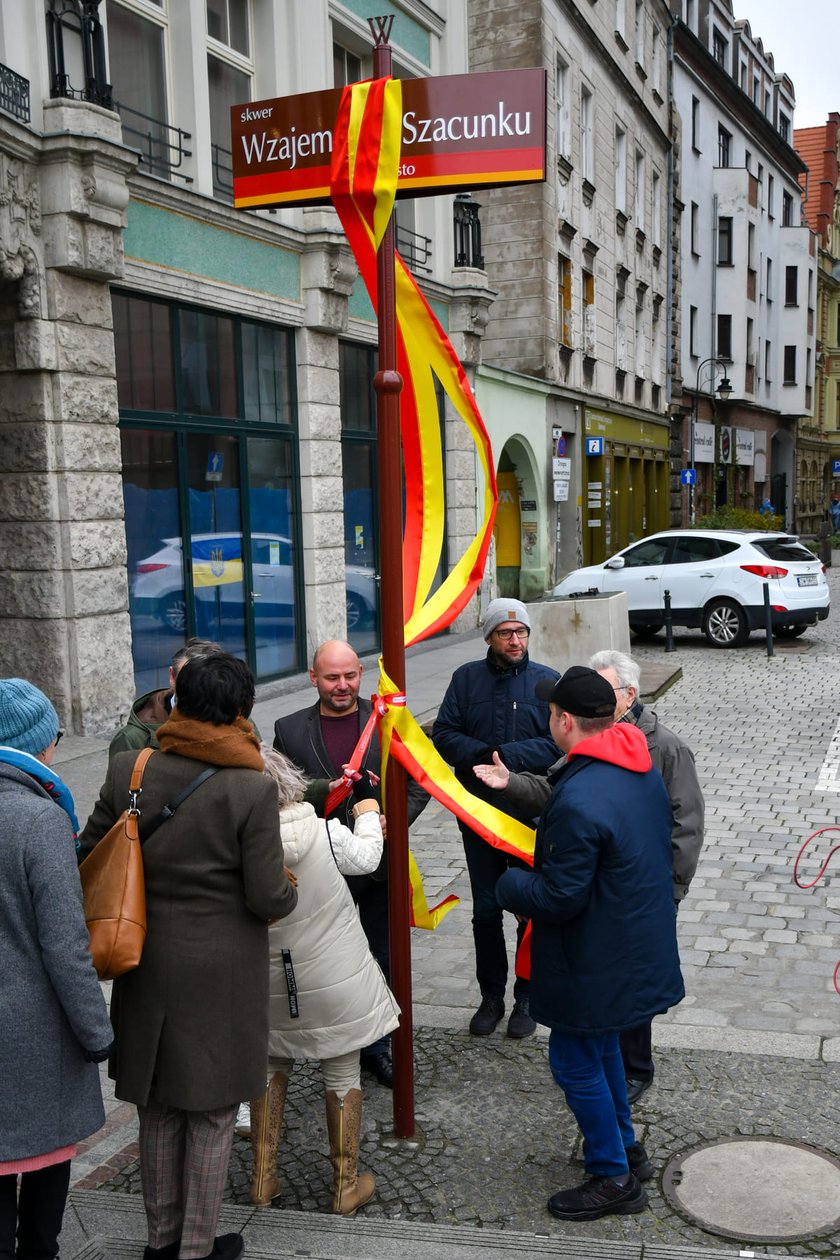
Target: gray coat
x=675, y=762
x=51, y=1003
x=191, y=1021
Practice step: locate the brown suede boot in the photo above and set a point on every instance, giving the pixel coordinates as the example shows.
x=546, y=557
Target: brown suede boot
x=344, y=1120
x=266, y=1120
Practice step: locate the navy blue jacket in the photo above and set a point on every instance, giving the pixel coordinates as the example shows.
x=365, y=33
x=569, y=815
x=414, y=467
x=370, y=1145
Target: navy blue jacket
x=489, y=706
x=604, y=945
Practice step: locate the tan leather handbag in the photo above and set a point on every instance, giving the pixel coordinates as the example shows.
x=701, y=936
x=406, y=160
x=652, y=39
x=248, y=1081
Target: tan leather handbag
x=114, y=889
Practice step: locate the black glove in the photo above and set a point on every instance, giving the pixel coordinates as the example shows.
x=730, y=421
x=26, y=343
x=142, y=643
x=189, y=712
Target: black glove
x=97, y=1056
x=363, y=789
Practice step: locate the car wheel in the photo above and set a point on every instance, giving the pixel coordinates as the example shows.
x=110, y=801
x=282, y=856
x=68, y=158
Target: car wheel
x=645, y=632
x=725, y=624
x=173, y=613
x=355, y=612
x=789, y=632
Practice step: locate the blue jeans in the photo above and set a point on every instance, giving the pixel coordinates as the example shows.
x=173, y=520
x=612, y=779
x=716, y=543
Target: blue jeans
x=486, y=866
x=590, y=1073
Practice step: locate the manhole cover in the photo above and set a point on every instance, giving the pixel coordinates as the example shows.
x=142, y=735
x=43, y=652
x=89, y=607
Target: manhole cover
x=756, y=1189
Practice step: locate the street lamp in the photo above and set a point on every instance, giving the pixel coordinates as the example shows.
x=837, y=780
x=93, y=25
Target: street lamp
x=724, y=390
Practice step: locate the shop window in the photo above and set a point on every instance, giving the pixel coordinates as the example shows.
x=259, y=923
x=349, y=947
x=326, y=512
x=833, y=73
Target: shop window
x=208, y=364
x=210, y=486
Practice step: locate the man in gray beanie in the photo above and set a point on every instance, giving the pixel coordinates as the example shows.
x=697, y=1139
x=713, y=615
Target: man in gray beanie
x=491, y=706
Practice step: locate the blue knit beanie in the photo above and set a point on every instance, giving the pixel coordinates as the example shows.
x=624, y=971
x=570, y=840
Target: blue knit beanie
x=28, y=720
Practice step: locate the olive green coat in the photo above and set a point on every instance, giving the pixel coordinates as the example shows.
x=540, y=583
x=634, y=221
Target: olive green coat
x=191, y=1022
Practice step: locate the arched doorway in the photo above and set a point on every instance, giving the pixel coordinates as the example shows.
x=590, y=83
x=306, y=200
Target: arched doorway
x=521, y=524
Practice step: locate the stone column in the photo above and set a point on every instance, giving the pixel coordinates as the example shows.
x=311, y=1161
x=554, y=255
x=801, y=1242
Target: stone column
x=62, y=543
x=328, y=274
x=469, y=311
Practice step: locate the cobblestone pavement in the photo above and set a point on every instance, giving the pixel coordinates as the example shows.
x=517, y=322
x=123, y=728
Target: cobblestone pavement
x=753, y=1050
x=495, y=1139
x=757, y=952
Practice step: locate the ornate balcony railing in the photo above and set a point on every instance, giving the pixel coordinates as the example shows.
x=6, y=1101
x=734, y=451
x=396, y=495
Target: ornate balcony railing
x=14, y=94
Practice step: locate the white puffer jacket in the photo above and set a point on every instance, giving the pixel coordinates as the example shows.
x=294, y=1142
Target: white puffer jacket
x=342, y=998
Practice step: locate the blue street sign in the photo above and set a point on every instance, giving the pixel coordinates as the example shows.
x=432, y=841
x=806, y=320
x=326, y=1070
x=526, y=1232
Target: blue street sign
x=594, y=446
x=688, y=476
x=835, y=468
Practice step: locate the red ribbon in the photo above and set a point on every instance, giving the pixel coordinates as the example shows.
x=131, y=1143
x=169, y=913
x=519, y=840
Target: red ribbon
x=379, y=706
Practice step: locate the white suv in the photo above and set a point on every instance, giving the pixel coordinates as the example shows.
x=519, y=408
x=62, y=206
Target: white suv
x=716, y=580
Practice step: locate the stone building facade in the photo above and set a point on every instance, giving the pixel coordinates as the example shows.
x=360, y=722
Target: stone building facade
x=185, y=389
x=582, y=319
x=818, y=466
x=747, y=265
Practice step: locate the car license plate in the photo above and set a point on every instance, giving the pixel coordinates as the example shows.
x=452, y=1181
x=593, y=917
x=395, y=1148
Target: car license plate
x=807, y=579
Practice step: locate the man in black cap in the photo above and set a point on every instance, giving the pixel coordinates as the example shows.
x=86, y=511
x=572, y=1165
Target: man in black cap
x=491, y=706
x=604, y=948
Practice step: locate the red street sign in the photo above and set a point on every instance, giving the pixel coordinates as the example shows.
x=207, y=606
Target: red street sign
x=459, y=131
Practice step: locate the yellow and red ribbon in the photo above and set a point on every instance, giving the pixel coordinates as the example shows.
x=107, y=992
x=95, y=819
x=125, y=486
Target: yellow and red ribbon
x=365, y=165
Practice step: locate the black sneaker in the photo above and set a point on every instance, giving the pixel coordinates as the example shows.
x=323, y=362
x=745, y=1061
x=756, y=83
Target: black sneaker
x=520, y=1023
x=636, y=1087
x=597, y=1197
x=638, y=1161
x=487, y=1016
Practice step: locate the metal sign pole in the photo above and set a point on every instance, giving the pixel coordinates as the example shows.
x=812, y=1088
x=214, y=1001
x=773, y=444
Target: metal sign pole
x=387, y=384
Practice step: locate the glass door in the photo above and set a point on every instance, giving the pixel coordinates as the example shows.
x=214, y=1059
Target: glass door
x=216, y=555
x=275, y=594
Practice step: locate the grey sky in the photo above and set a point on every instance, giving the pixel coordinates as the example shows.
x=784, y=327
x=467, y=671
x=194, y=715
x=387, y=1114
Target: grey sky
x=802, y=37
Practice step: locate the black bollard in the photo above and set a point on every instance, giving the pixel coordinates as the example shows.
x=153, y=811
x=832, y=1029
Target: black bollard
x=768, y=619
x=669, y=625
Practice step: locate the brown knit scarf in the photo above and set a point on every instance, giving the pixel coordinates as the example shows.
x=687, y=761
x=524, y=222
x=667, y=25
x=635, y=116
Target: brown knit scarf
x=234, y=745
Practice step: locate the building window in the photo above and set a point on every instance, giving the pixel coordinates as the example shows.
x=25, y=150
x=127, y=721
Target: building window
x=620, y=170
x=656, y=61
x=347, y=66
x=137, y=65
x=789, y=377
x=563, y=110
x=640, y=205
x=787, y=210
x=228, y=85
x=768, y=291
x=751, y=246
x=747, y=158
x=656, y=214
x=692, y=331
x=724, y=336
x=227, y=22
x=756, y=92
x=620, y=17
x=784, y=127
x=587, y=108
x=768, y=361
x=640, y=33
x=564, y=300
x=589, y=329
x=771, y=188
x=719, y=47
x=695, y=124
x=210, y=485
x=693, y=216
x=725, y=258
x=724, y=146
x=791, y=286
